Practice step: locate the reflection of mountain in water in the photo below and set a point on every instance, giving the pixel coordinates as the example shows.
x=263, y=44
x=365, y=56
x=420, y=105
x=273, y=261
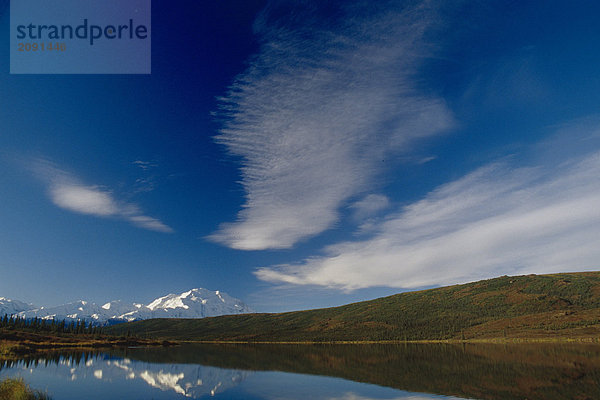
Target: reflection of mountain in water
x=189, y=380
x=491, y=372
x=494, y=372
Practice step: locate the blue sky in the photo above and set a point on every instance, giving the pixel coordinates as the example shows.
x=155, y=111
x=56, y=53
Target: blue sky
x=297, y=154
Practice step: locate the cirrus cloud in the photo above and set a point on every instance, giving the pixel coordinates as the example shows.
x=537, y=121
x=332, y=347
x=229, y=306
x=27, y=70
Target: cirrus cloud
x=68, y=192
x=83, y=199
x=499, y=219
x=318, y=109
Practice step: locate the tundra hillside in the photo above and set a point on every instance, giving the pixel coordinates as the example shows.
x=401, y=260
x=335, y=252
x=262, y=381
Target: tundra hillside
x=534, y=307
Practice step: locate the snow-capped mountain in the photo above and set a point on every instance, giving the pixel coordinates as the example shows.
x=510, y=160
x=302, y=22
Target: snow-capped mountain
x=70, y=311
x=8, y=306
x=195, y=303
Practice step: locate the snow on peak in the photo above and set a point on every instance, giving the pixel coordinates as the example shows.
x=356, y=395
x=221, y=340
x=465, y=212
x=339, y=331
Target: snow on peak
x=194, y=303
x=168, y=301
x=9, y=307
x=164, y=381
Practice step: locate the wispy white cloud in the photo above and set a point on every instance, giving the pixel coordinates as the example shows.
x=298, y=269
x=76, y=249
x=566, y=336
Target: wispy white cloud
x=427, y=159
x=147, y=182
x=319, y=108
x=370, y=205
x=70, y=193
x=145, y=165
x=153, y=224
x=83, y=199
x=499, y=219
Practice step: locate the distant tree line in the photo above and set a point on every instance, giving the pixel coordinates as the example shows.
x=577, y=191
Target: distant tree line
x=73, y=357
x=40, y=325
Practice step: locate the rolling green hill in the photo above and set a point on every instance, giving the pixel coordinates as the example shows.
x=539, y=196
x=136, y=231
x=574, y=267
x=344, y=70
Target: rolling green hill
x=533, y=307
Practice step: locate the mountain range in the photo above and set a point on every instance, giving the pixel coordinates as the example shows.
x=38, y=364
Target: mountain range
x=195, y=303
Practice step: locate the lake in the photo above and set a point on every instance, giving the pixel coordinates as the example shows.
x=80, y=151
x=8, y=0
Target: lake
x=327, y=372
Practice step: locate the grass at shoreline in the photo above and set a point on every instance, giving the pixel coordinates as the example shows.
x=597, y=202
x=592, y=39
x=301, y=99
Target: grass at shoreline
x=15, y=349
x=17, y=389
x=16, y=344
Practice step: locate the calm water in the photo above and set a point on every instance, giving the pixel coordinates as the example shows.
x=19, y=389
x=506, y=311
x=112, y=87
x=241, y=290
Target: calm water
x=332, y=372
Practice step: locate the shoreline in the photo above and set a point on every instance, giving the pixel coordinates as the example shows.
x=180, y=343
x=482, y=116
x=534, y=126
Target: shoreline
x=14, y=349
x=586, y=340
